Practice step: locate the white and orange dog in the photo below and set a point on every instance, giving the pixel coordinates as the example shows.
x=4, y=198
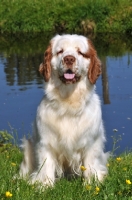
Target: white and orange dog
x=68, y=130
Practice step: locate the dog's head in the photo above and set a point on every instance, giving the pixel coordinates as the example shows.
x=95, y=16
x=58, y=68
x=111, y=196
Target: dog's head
x=71, y=57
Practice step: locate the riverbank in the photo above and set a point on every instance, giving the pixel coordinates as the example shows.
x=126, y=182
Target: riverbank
x=117, y=184
x=85, y=17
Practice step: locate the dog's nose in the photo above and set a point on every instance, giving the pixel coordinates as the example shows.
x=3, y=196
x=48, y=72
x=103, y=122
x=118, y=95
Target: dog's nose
x=69, y=60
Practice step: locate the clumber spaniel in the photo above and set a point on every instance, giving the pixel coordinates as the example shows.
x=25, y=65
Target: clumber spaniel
x=68, y=130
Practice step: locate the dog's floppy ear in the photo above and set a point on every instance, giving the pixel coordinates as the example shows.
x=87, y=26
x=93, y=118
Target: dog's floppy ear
x=95, y=64
x=45, y=67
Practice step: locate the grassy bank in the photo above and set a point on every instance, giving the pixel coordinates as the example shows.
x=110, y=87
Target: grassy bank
x=82, y=16
x=117, y=185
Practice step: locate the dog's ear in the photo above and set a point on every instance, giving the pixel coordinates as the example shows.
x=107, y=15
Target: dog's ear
x=95, y=64
x=45, y=67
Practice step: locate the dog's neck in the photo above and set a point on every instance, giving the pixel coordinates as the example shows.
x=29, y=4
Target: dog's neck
x=71, y=95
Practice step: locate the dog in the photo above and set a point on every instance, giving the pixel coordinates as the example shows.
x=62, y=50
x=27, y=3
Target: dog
x=68, y=131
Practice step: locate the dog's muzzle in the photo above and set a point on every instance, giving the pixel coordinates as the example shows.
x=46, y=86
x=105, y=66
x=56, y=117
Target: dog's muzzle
x=69, y=75
x=69, y=60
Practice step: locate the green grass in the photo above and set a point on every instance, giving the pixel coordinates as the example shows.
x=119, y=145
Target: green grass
x=114, y=186
x=65, y=16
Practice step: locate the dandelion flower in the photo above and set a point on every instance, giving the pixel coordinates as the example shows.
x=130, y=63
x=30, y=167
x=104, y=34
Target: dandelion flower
x=83, y=168
x=125, y=168
x=88, y=187
x=128, y=182
x=8, y=194
x=97, y=189
x=13, y=164
x=108, y=165
x=118, y=159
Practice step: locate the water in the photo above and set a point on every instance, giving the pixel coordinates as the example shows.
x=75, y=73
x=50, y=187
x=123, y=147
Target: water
x=21, y=86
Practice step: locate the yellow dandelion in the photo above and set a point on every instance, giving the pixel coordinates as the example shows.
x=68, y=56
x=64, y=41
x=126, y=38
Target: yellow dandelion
x=88, y=187
x=124, y=168
x=128, y=182
x=97, y=189
x=8, y=194
x=118, y=159
x=13, y=164
x=108, y=165
x=83, y=168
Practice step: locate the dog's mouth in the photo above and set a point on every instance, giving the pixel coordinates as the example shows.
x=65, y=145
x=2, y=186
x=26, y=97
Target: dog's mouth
x=69, y=77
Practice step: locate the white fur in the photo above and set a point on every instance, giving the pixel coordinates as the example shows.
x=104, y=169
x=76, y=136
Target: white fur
x=68, y=130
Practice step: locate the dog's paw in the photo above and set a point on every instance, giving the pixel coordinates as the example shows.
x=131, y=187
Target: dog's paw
x=35, y=178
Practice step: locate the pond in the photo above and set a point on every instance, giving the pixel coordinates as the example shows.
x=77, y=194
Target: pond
x=21, y=86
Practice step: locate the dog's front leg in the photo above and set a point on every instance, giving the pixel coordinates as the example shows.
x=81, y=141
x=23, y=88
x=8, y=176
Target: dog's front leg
x=95, y=165
x=45, y=167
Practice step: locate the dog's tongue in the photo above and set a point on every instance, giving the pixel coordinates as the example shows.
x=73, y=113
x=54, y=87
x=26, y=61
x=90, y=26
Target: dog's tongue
x=69, y=76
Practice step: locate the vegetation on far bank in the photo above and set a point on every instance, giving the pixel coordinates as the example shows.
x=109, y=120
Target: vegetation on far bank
x=117, y=185
x=35, y=44
x=82, y=16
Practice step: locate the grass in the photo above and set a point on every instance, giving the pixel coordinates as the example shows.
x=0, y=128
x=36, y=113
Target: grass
x=81, y=16
x=117, y=185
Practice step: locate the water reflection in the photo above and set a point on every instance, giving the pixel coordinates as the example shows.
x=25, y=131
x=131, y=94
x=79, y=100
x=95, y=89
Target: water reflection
x=21, y=84
x=22, y=70
x=105, y=82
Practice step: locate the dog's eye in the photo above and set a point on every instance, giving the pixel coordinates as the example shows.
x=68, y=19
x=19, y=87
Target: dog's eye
x=79, y=52
x=82, y=54
x=59, y=52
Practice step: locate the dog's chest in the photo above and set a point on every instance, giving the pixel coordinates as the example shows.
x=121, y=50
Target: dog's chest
x=69, y=132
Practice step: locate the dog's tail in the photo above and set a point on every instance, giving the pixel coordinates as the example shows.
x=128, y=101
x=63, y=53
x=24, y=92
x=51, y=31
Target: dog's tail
x=28, y=163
